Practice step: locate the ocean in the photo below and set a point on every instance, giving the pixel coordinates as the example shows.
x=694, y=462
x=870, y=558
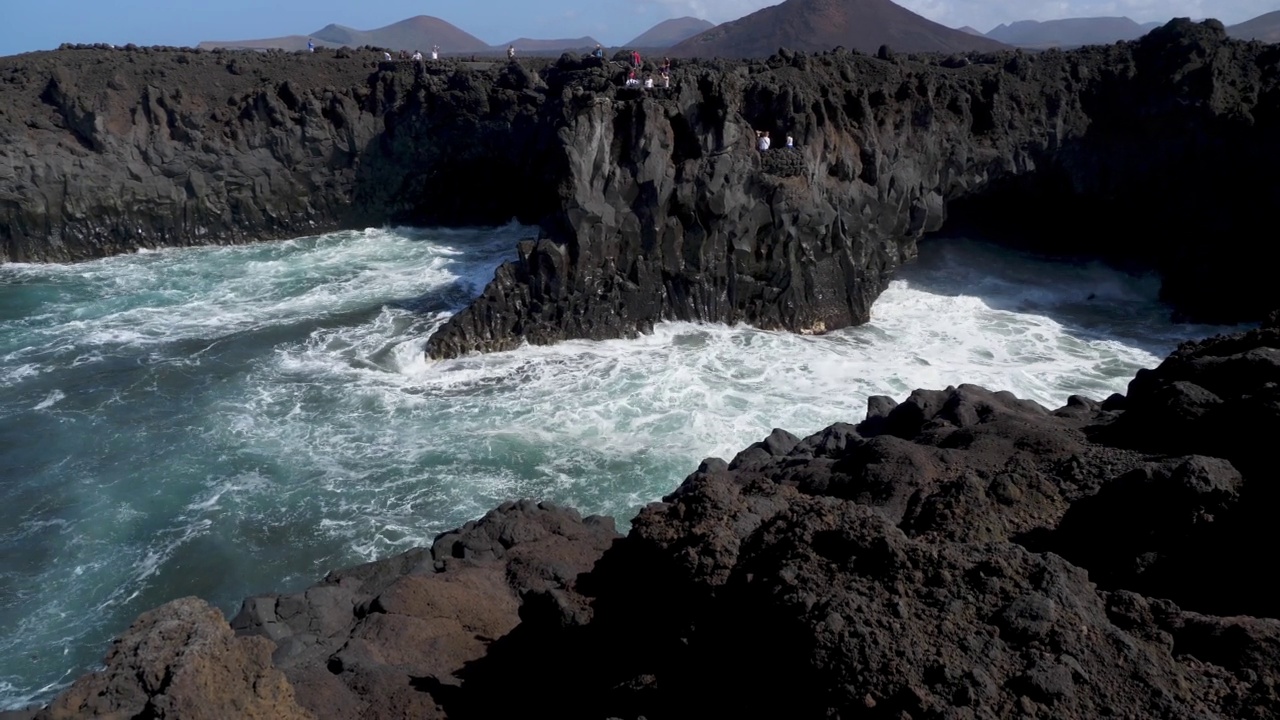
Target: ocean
x=226, y=421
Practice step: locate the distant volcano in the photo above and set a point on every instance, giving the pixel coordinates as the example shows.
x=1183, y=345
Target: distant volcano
x=1264, y=27
x=415, y=33
x=669, y=32
x=1069, y=32
x=814, y=25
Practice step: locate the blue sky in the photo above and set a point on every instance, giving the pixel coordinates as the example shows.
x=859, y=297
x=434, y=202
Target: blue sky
x=42, y=24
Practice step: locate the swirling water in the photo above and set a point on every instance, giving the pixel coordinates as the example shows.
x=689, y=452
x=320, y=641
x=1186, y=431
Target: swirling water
x=228, y=421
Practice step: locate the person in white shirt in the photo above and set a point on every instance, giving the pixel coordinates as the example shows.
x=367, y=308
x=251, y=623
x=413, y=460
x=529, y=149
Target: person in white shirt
x=648, y=82
x=386, y=56
x=435, y=53
x=790, y=142
x=764, y=141
x=417, y=56
x=666, y=79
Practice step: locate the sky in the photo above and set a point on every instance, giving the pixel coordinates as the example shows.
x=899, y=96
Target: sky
x=27, y=25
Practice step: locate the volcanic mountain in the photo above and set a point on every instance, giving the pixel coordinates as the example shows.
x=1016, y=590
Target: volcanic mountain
x=669, y=32
x=1264, y=27
x=415, y=33
x=816, y=25
x=1069, y=32
x=535, y=46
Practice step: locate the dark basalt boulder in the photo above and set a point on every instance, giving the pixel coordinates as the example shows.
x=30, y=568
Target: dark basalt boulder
x=390, y=638
x=181, y=660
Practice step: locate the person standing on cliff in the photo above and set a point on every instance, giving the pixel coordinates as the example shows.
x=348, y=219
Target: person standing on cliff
x=791, y=142
x=635, y=59
x=435, y=52
x=311, y=46
x=764, y=141
x=511, y=52
x=598, y=53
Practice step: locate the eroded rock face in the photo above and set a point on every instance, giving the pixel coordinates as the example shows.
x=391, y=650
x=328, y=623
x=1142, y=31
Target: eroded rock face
x=1139, y=152
x=107, y=151
x=656, y=205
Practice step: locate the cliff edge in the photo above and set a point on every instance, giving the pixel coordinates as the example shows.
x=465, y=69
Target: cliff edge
x=656, y=205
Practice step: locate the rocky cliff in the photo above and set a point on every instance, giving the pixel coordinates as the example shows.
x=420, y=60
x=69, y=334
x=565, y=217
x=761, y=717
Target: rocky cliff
x=961, y=554
x=656, y=206
x=1155, y=153
x=107, y=151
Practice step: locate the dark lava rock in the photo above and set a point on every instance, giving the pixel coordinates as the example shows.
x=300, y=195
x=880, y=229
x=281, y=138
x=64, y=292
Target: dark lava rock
x=389, y=639
x=181, y=660
x=961, y=554
x=655, y=205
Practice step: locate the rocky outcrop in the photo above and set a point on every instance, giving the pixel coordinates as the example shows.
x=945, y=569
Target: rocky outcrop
x=392, y=638
x=961, y=554
x=655, y=205
x=106, y=151
x=181, y=660
x=1139, y=153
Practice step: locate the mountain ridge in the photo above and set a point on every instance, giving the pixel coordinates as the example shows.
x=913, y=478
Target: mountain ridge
x=1068, y=32
x=669, y=32
x=819, y=25
x=420, y=32
x=1265, y=27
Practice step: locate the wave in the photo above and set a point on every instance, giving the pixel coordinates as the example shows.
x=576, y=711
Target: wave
x=228, y=421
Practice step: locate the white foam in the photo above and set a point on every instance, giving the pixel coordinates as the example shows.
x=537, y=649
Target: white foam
x=277, y=398
x=134, y=301
x=50, y=401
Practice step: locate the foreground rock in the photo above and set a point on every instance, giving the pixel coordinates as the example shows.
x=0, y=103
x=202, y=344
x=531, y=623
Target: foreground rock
x=655, y=206
x=181, y=660
x=961, y=554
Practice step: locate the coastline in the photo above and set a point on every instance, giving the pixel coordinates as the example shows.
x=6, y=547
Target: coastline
x=1053, y=563
x=961, y=548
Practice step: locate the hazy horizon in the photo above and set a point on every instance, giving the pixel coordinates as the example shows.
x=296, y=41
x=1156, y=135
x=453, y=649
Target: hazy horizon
x=45, y=25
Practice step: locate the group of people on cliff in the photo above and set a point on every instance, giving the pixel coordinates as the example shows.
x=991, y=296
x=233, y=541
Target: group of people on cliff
x=404, y=54
x=763, y=142
x=637, y=65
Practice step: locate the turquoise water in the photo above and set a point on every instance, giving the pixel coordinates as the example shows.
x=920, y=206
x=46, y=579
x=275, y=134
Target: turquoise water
x=227, y=421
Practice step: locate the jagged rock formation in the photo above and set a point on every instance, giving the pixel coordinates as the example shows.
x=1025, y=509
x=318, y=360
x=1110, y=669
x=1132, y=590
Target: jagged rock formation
x=386, y=639
x=655, y=206
x=182, y=660
x=962, y=554
x=669, y=214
